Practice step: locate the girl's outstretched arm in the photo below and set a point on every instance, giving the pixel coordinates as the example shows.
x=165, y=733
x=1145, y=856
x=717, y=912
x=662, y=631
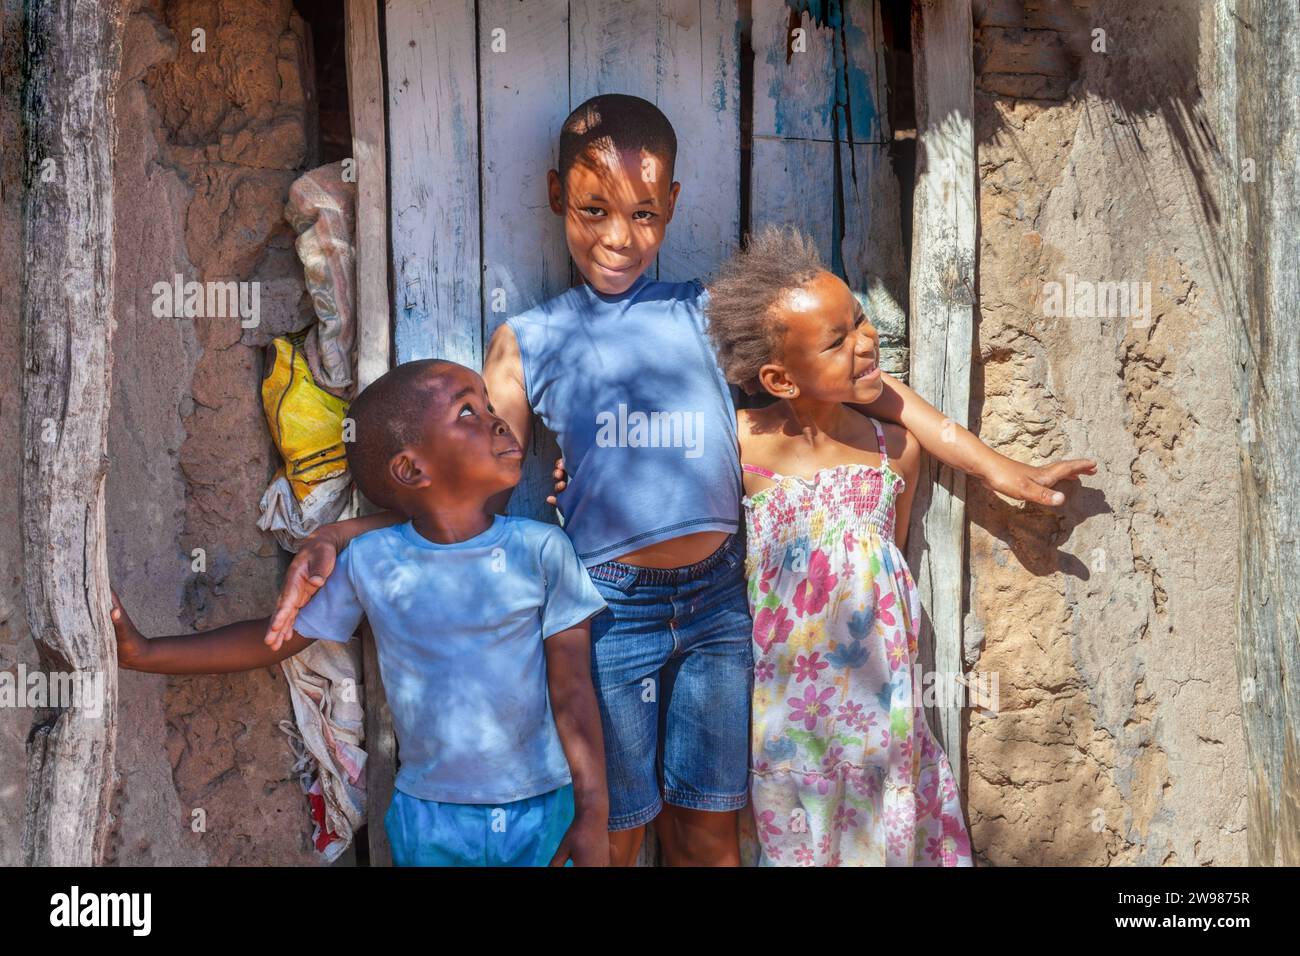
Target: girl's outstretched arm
x=958, y=448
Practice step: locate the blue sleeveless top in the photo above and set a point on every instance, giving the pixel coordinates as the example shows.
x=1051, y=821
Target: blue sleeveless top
x=643, y=415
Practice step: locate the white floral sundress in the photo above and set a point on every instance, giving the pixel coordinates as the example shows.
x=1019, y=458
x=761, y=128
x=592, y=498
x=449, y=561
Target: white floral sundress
x=844, y=768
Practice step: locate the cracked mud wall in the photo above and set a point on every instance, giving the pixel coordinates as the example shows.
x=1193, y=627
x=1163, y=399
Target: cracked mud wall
x=208, y=144
x=1111, y=623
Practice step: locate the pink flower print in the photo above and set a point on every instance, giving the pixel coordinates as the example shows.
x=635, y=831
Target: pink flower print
x=834, y=860
x=803, y=856
x=905, y=748
x=762, y=766
x=850, y=712
x=773, y=851
x=833, y=756
x=850, y=541
x=806, y=668
x=864, y=721
x=824, y=844
x=810, y=707
x=896, y=844
x=892, y=817
x=814, y=591
x=846, y=818
x=866, y=784
x=949, y=789
x=884, y=737
x=896, y=651
x=883, y=605
x=765, y=581
x=928, y=805
x=955, y=830
x=764, y=671
x=820, y=781
x=767, y=823
x=771, y=627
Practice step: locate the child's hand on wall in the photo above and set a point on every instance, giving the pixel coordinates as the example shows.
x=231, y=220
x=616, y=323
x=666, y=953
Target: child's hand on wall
x=132, y=646
x=307, y=573
x=1035, y=483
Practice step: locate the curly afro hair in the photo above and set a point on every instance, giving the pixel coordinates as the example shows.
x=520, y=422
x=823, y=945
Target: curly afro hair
x=745, y=331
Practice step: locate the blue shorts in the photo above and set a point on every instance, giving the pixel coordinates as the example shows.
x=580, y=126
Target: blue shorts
x=522, y=833
x=673, y=667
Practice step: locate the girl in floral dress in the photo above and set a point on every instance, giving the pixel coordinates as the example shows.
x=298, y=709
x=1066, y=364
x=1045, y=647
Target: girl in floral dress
x=844, y=768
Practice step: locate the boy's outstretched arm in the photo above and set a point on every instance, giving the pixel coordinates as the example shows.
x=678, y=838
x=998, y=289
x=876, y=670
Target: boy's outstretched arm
x=955, y=446
x=235, y=647
x=577, y=718
x=313, y=563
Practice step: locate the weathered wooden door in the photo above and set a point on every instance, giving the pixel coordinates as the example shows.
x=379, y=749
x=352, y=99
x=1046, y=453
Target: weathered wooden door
x=477, y=90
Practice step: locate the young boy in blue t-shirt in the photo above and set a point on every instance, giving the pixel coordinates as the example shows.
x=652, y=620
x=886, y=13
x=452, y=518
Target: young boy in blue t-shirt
x=482, y=624
x=621, y=369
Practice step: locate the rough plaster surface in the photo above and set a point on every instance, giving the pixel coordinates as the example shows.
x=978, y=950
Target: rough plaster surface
x=208, y=145
x=1111, y=623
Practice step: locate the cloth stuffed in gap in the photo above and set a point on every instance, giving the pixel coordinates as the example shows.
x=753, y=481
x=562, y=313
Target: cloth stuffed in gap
x=304, y=397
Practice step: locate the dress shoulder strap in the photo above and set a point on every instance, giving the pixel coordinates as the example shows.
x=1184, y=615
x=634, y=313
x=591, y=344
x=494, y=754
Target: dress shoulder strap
x=760, y=470
x=880, y=443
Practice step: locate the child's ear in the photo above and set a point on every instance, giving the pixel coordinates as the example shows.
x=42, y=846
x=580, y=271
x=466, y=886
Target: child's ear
x=408, y=471
x=775, y=381
x=672, y=200
x=555, y=191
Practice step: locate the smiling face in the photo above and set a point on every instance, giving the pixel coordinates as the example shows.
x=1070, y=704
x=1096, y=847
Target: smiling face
x=616, y=207
x=831, y=352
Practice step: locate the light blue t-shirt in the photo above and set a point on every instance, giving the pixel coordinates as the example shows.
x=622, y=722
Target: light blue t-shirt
x=642, y=413
x=459, y=630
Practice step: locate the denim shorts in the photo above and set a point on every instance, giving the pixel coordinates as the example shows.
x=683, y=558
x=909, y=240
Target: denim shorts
x=673, y=667
x=520, y=833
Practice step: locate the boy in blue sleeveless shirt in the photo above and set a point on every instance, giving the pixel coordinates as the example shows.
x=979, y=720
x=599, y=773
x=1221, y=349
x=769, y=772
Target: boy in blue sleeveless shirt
x=621, y=370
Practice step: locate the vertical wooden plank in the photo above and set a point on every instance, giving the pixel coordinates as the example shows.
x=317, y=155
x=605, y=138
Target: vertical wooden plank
x=699, y=90
x=683, y=56
x=942, y=309
x=1264, y=41
x=523, y=69
x=433, y=121
x=819, y=159
x=369, y=152
x=74, y=52
x=366, y=108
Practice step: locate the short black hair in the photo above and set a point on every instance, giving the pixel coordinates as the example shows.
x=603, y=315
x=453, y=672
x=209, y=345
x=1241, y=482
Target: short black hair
x=388, y=416
x=619, y=121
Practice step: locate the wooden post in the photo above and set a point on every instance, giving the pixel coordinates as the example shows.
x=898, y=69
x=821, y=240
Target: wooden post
x=942, y=318
x=374, y=347
x=1265, y=121
x=73, y=58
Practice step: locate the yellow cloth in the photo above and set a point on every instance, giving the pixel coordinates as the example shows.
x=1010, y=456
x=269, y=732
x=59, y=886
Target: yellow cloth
x=306, y=423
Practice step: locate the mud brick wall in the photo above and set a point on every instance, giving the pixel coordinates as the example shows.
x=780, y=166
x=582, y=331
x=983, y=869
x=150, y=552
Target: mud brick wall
x=209, y=142
x=1110, y=623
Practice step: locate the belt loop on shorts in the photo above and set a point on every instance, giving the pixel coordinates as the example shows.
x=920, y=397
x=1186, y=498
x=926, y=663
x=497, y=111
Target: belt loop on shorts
x=624, y=575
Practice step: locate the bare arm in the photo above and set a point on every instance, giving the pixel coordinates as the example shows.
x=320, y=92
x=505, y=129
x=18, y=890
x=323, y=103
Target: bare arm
x=503, y=374
x=958, y=448
x=905, y=457
x=313, y=563
x=577, y=718
x=222, y=650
